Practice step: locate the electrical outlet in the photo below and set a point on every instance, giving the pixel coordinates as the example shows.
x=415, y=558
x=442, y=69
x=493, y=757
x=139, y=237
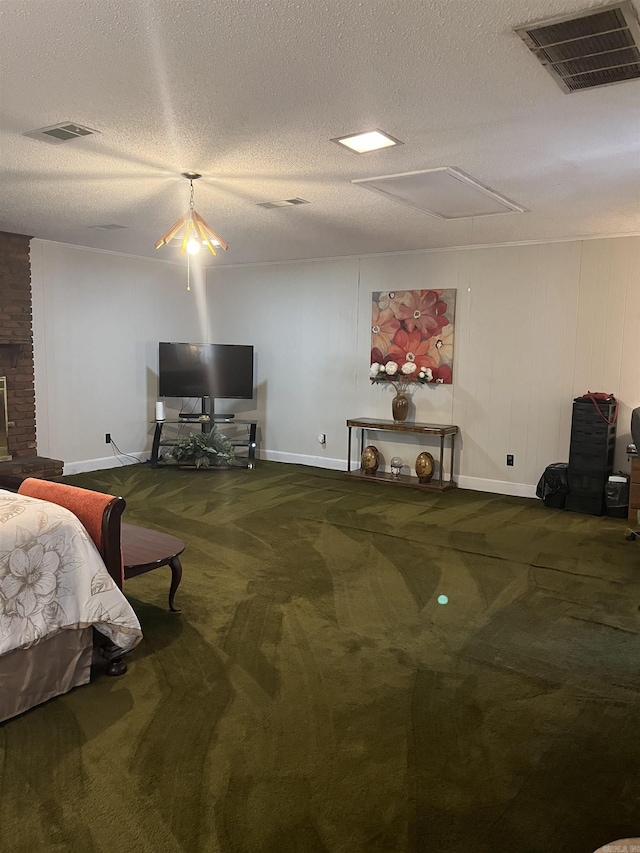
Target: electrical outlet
x=107, y=438
x=509, y=459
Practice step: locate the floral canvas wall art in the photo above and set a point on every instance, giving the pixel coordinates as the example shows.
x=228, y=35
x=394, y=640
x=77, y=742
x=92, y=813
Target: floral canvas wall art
x=412, y=336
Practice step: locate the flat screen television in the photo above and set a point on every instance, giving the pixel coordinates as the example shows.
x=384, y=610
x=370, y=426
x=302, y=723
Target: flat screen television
x=205, y=370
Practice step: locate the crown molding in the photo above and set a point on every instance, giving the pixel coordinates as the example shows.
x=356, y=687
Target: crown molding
x=462, y=248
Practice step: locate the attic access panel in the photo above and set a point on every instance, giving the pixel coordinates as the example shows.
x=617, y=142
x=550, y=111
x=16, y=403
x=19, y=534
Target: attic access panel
x=587, y=50
x=445, y=193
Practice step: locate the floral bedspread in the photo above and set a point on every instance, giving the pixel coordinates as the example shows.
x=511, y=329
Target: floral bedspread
x=52, y=577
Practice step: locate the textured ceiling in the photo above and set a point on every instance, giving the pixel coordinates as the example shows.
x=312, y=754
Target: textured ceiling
x=249, y=94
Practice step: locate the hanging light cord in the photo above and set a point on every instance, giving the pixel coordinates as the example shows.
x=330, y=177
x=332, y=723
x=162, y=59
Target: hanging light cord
x=191, y=208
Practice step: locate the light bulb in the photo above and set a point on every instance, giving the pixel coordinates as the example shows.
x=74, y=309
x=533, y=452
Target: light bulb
x=193, y=246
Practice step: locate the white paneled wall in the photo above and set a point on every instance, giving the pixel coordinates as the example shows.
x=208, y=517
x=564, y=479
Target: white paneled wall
x=608, y=327
x=302, y=320
x=97, y=320
x=536, y=325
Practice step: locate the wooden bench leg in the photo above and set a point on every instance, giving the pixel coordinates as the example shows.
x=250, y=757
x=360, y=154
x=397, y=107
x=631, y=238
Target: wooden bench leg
x=176, y=577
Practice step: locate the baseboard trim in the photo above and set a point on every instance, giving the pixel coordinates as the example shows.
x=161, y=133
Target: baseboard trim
x=498, y=487
x=105, y=462
x=476, y=484
x=302, y=459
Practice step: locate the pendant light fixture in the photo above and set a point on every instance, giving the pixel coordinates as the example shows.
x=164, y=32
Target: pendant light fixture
x=196, y=233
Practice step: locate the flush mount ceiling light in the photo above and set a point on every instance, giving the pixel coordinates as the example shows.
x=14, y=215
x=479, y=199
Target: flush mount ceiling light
x=196, y=231
x=368, y=140
x=444, y=192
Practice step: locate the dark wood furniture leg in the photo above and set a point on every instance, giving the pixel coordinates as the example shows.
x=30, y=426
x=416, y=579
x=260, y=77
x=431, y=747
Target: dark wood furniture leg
x=176, y=577
x=115, y=656
x=144, y=550
x=453, y=447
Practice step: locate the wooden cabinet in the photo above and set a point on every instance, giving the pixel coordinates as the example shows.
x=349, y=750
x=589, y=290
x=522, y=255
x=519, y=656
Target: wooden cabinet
x=634, y=491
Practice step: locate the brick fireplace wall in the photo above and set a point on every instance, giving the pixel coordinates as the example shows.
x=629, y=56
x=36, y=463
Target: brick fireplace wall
x=16, y=360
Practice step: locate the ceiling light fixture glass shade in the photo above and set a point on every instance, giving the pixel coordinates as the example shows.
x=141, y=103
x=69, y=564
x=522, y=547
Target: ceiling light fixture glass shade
x=196, y=231
x=369, y=140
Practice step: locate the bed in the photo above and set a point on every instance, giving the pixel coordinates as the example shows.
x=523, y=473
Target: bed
x=55, y=589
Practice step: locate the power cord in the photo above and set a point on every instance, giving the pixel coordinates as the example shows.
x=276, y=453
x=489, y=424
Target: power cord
x=195, y=402
x=118, y=452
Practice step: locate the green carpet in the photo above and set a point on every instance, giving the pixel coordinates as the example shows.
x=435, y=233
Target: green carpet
x=313, y=696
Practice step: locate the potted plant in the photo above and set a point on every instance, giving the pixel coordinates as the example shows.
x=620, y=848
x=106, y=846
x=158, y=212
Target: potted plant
x=203, y=450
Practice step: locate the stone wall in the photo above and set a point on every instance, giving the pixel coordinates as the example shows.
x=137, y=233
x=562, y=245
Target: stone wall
x=16, y=359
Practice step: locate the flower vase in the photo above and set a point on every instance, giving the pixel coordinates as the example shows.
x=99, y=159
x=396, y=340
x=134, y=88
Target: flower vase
x=400, y=407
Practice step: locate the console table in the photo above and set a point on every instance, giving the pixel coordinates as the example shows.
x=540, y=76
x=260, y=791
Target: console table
x=419, y=429
x=205, y=426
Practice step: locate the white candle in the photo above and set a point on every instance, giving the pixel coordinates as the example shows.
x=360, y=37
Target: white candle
x=159, y=411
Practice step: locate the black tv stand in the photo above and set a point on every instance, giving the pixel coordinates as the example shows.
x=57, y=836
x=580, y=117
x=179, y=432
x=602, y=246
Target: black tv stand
x=206, y=412
x=249, y=441
x=192, y=416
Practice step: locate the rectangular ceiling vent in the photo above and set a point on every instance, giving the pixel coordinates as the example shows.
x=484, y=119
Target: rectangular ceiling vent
x=445, y=192
x=64, y=131
x=286, y=202
x=110, y=227
x=598, y=48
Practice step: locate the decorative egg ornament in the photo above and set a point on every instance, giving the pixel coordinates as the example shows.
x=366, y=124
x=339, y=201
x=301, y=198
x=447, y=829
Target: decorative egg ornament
x=425, y=467
x=370, y=459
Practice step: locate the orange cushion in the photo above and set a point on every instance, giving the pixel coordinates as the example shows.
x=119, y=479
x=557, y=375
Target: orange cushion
x=88, y=506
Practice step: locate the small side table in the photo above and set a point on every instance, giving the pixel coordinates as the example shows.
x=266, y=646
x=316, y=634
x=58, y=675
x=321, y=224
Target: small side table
x=144, y=549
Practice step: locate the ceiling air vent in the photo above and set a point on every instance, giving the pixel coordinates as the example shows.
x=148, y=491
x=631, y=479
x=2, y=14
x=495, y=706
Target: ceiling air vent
x=64, y=131
x=110, y=227
x=596, y=49
x=287, y=202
